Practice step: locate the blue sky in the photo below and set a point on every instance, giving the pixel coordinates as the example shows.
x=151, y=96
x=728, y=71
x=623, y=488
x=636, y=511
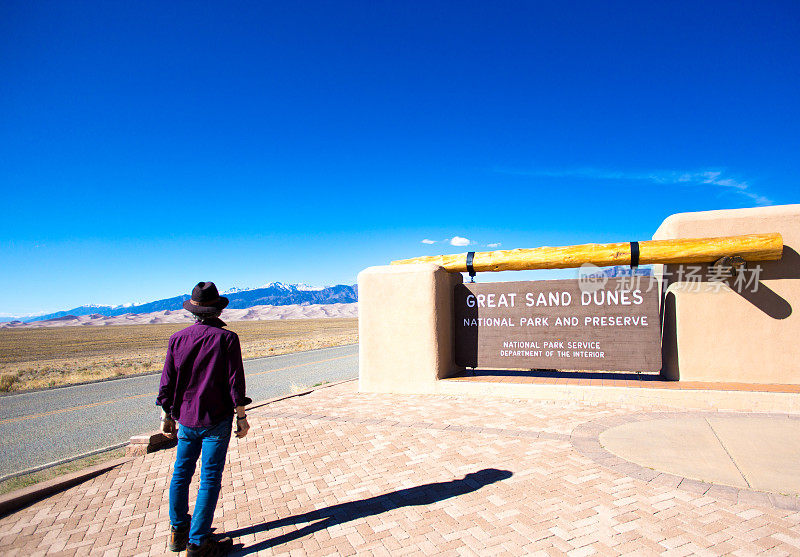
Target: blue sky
x=147, y=146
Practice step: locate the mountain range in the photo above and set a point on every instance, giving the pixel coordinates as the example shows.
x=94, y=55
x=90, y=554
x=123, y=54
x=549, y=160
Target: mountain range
x=271, y=294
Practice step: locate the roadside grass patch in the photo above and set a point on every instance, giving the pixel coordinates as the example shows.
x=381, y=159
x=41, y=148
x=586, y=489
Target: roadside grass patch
x=27, y=480
x=7, y=381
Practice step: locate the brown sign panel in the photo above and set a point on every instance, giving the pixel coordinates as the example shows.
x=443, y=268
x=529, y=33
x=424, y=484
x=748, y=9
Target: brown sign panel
x=559, y=324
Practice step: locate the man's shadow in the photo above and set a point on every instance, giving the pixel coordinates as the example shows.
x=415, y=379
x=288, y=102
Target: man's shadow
x=345, y=512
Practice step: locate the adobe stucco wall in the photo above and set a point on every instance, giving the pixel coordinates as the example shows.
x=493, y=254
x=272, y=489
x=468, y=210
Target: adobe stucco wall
x=726, y=336
x=406, y=314
x=405, y=325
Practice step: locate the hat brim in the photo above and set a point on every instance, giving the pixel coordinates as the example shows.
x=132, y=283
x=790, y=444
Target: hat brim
x=219, y=305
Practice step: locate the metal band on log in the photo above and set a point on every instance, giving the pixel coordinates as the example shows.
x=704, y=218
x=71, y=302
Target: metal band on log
x=750, y=247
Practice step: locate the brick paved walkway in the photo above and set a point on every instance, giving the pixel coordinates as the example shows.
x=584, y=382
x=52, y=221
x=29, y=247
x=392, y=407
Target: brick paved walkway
x=337, y=472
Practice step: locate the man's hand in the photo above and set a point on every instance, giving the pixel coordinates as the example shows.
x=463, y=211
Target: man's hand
x=168, y=426
x=242, y=427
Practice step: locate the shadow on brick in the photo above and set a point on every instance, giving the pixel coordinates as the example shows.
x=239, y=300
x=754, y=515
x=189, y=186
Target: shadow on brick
x=345, y=512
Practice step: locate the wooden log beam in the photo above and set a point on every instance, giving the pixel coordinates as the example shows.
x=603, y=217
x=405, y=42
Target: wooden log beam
x=751, y=247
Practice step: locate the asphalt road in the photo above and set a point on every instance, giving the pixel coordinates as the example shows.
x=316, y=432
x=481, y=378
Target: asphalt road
x=46, y=426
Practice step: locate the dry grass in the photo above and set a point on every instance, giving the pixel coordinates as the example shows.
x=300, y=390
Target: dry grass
x=49, y=357
x=27, y=480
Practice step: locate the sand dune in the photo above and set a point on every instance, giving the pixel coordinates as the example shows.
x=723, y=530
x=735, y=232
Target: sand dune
x=255, y=313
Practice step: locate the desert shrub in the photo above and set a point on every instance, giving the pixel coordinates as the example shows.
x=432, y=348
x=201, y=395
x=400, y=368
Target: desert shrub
x=295, y=388
x=7, y=380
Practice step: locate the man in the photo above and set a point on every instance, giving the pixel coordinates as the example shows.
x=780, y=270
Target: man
x=202, y=387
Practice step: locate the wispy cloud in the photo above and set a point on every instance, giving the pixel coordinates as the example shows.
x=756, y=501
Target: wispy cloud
x=497, y=245
x=13, y=316
x=714, y=178
x=459, y=241
x=427, y=241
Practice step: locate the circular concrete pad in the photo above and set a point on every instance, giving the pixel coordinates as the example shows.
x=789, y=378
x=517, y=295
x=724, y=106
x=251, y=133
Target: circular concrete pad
x=747, y=451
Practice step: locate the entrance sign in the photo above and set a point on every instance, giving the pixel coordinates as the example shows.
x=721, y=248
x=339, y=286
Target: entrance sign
x=559, y=324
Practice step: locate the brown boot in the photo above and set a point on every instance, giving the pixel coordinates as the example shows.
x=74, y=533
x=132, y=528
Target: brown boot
x=210, y=547
x=178, y=539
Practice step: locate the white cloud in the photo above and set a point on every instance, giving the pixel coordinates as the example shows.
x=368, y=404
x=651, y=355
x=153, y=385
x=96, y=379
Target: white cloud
x=459, y=241
x=497, y=245
x=426, y=241
x=741, y=187
x=705, y=177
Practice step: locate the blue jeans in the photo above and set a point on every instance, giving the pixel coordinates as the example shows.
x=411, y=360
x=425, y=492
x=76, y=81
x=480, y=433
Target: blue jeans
x=214, y=444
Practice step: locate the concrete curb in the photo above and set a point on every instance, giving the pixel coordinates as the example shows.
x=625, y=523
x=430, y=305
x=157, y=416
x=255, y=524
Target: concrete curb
x=139, y=445
x=67, y=460
x=149, y=443
x=15, y=500
x=299, y=393
x=155, y=440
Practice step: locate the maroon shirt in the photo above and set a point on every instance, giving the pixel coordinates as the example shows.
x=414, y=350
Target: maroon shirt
x=203, y=377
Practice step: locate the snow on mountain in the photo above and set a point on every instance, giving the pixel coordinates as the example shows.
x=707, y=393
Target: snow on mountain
x=234, y=290
x=309, y=288
x=280, y=286
x=301, y=287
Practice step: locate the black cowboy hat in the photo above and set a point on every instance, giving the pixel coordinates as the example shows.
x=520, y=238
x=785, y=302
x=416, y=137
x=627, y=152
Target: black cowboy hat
x=205, y=299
